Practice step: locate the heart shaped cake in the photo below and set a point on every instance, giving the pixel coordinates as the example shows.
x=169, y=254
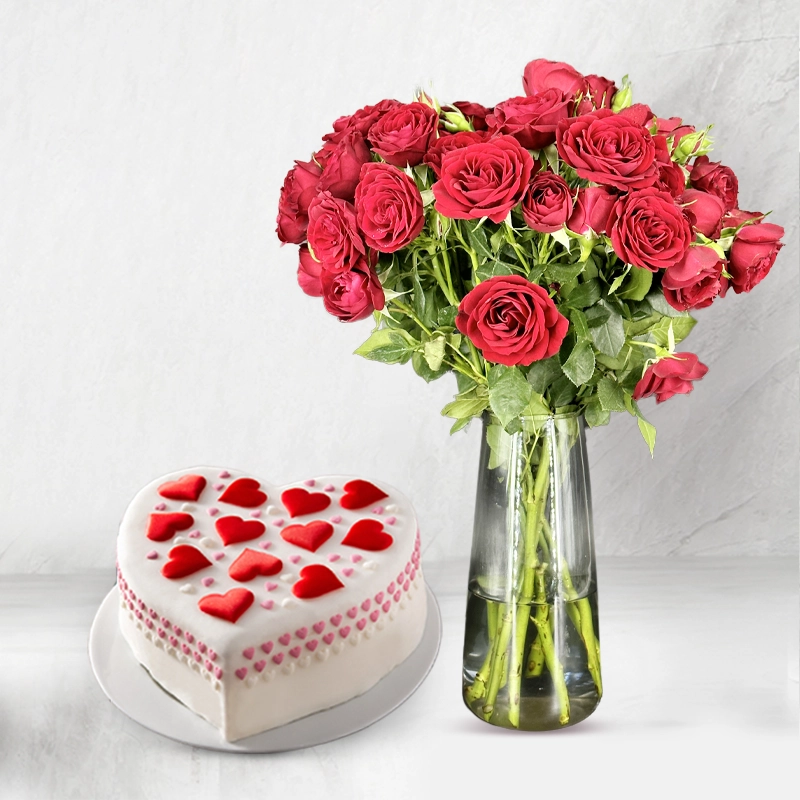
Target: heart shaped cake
x=255, y=604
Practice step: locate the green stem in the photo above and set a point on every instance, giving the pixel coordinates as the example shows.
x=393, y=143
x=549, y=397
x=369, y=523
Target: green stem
x=580, y=613
x=478, y=688
x=496, y=670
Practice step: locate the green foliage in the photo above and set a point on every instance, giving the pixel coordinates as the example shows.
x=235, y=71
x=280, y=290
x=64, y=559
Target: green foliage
x=509, y=393
x=389, y=346
x=579, y=367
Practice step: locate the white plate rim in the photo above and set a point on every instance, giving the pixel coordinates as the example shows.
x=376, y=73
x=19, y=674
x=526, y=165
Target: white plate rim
x=119, y=674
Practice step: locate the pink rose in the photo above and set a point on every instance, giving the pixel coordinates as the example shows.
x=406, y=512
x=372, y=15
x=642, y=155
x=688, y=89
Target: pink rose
x=512, y=321
x=695, y=281
x=388, y=207
x=353, y=294
x=547, y=203
x=592, y=210
x=753, y=253
x=670, y=376
x=609, y=149
x=343, y=166
x=475, y=113
x=447, y=142
x=486, y=179
x=541, y=74
x=714, y=178
x=333, y=233
x=704, y=211
x=648, y=230
x=299, y=189
x=309, y=272
x=403, y=135
x=532, y=121
x=361, y=121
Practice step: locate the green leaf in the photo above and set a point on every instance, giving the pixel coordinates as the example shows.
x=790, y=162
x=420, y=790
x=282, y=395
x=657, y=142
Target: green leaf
x=608, y=336
x=579, y=367
x=658, y=303
x=446, y=318
x=497, y=239
x=389, y=346
x=491, y=268
x=648, y=433
x=424, y=371
x=581, y=325
x=509, y=393
x=563, y=273
x=617, y=282
x=459, y=424
x=542, y=373
x=433, y=351
x=562, y=392
x=637, y=284
x=466, y=406
x=595, y=414
x=681, y=327
x=610, y=395
x=551, y=154
x=585, y=294
x=479, y=242
x=499, y=445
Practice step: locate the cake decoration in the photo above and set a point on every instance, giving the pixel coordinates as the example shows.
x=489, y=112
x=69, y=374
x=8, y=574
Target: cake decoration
x=302, y=604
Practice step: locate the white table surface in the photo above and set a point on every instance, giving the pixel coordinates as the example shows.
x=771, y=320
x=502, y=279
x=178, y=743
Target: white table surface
x=701, y=701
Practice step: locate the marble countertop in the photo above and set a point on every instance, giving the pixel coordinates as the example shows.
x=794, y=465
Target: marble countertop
x=701, y=698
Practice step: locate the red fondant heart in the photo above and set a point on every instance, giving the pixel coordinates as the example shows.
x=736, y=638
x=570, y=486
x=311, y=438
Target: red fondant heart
x=251, y=563
x=244, y=492
x=368, y=534
x=164, y=526
x=309, y=536
x=358, y=494
x=315, y=580
x=229, y=606
x=187, y=487
x=298, y=502
x=184, y=560
x=234, y=529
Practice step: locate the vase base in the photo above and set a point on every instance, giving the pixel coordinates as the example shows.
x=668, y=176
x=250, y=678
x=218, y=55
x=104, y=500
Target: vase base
x=536, y=713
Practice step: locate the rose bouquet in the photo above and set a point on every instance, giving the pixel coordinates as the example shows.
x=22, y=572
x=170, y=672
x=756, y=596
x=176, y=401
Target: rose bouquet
x=547, y=251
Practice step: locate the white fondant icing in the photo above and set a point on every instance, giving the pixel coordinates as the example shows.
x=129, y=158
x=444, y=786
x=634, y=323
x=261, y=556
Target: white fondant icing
x=243, y=707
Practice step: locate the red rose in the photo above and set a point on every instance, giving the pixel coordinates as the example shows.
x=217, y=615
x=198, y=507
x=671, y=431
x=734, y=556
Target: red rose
x=403, y=135
x=388, y=207
x=361, y=121
x=353, y=294
x=299, y=189
x=486, y=179
x=542, y=74
x=547, y=203
x=753, y=253
x=695, y=281
x=598, y=92
x=342, y=165
x=447, y=142
x=673, y=126
x=512, y=321
x=648, y=230
x=606, y=148
x=308, y=273
x=704, y=210
x=333, y=233
x=670, y=376
x=532, y=121
x=714, y=178
x=475, y=113
x=735, y=217
x=638, y=114
x=592, y=210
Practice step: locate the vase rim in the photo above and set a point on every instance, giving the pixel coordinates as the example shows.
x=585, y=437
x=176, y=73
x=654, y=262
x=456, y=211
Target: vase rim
x=563, y=415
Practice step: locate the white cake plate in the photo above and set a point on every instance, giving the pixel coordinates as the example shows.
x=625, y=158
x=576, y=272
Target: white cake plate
x=131, y=689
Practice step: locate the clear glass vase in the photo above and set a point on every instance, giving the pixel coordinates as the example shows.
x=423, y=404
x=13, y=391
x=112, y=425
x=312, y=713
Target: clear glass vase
x=531, y=646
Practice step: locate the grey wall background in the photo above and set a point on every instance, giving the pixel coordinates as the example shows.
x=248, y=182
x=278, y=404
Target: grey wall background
x=150, y=320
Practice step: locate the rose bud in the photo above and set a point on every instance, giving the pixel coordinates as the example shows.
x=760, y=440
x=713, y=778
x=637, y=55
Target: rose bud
x=592, y=210
x=402, y=136
x=695, y=281
x=299, y=189
x=342, y=167
x=352, y=295
x=716, y=179
x=512, y=321
x=388, y=207
x=753, y=253
x=670, y=376
x=542, y=74
x=598, y=92
x=308, y=273
x=704, y=210
x=547, y=203
x=475, y=113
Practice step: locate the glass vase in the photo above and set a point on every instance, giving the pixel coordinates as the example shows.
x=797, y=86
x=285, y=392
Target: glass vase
x=531, y=645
